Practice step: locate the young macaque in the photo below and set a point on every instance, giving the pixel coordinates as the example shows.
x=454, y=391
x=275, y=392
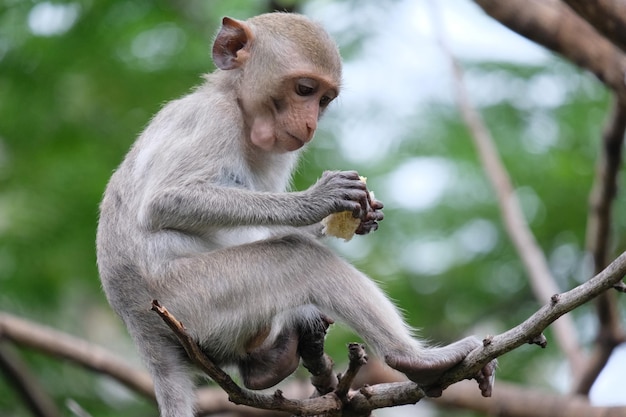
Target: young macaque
x=199, y=217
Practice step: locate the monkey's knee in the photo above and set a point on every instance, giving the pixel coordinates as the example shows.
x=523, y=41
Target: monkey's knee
x=265, y=367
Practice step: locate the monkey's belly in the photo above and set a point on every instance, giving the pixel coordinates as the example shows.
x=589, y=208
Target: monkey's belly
x=236, y=236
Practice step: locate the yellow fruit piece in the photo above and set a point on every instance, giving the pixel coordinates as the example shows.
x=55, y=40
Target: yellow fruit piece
x=341, y=225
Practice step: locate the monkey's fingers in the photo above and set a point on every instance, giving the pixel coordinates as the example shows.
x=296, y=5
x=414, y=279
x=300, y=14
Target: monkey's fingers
x=369, y=222
x=357, y=211
x=353, y=175
x=376, y=204
x=374, y=216
x=365, y=208
x=366, y=227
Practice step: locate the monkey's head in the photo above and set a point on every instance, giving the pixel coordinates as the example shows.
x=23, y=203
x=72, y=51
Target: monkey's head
x=286, y=70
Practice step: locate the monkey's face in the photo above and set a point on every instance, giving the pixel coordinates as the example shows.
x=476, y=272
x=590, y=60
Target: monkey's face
x=286, y=120
x=287, y=71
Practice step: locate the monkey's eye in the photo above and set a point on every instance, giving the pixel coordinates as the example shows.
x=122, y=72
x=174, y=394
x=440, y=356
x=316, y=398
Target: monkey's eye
x=306, y=87
x=325, y=101
x=304, y=90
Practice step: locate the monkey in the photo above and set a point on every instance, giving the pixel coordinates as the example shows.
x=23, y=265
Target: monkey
x=200, y=216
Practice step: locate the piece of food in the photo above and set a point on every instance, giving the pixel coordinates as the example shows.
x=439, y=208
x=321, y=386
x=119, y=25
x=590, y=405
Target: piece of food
x=342, y=224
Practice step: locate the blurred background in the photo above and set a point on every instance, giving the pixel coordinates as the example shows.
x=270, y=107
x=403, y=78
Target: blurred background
x=80, y=79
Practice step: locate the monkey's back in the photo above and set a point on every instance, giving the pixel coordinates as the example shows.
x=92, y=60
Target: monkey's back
x=173, y=152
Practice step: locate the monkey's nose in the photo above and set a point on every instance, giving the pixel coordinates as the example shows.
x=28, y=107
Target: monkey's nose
x=310, y=130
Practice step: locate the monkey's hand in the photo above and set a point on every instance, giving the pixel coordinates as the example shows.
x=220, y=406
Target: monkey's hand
x=338, y=191
x=345, y=224
x=341, y=196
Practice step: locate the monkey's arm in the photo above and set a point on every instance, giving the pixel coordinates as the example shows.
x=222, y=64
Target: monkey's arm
x=200, y=208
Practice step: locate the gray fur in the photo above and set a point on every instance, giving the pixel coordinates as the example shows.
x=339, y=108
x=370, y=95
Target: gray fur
x=200, y=220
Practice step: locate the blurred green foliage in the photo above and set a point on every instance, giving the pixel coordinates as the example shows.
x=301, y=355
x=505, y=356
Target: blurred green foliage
x=75, y=93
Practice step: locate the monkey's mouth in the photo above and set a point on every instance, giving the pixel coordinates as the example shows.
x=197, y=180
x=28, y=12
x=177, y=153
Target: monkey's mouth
x=295, y=142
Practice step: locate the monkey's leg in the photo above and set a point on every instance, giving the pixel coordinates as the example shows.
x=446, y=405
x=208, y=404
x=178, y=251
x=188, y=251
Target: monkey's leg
x=167, y=363
x=282, y=274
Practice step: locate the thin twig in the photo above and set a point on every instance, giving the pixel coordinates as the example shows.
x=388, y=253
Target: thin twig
x=559, y=305
x=605, y=186
x=194, y=352
x=357, y=358
x=76, y=408
x=315, y=406
x=534, y=260
x=26, y=385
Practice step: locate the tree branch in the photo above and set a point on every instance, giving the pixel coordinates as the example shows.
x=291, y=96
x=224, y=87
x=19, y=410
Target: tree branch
x=605, y=186
x=607, y=16
x=513, y=400
x=62, y=345
x=27, y=386
x=556, y=27
x=598, y=234
x=527, y=331
x=357, y=358
x=508, y=399
x=541, y=280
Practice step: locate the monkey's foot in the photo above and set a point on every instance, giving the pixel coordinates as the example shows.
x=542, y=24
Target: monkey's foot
x=265, y=367
x=311, y=348
x=428, y=366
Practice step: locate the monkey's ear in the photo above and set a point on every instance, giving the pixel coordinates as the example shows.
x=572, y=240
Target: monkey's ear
x=232, y=44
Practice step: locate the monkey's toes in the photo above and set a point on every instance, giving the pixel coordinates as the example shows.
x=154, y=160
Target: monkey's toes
x=419, y=371
x=486, y=378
